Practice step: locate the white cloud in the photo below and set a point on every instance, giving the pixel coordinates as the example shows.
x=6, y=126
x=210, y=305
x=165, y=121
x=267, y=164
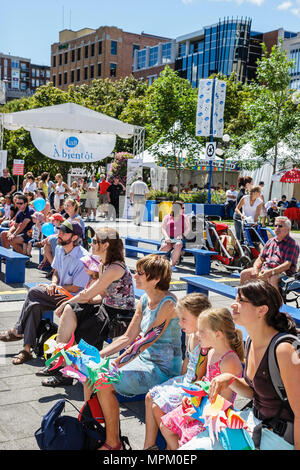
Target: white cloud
x=284, y=6
x=296, y=11
x=186, y=2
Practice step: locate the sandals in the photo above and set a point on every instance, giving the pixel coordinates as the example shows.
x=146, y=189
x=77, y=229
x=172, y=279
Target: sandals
x=57, y=381
x=9, y=336
x=108, y=447
x=23, y=356
x=46, y=372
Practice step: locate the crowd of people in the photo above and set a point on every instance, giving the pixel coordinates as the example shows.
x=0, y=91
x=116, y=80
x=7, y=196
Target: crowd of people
x=92, y=294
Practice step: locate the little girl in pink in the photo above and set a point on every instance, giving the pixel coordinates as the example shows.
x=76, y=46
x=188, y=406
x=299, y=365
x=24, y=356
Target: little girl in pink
x=216, y=330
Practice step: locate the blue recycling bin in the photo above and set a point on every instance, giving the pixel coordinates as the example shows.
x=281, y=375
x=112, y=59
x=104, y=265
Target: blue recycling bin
x=209, y=209
x=149, y=212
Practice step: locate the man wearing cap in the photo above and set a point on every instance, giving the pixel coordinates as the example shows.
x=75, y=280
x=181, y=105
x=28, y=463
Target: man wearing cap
x=272, y=209
x=69, y=274
x=279, y=256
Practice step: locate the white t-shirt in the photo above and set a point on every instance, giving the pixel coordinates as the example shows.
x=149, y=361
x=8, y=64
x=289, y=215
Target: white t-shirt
x=248, y=210
x=139, y=188
x=231, y=193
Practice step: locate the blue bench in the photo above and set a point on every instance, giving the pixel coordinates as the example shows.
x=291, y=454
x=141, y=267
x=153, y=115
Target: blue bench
x=206, y=285
x=134, y=241
x=202, y=259
x=132, y=251
x=15, y=265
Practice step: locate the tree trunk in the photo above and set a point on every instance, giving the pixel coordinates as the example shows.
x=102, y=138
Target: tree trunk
x=274, y=168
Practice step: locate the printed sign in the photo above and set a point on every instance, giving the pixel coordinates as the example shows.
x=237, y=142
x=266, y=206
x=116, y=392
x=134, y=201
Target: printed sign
x=204, y=108
x=210, y=152
x=218, y=108
x=73, y=147
x=18, y=167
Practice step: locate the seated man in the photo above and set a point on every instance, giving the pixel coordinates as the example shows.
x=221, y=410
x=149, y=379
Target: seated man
x=279, y=255
x=272, y=209
x=17, y=235
x=69, y=274
x=229, y=206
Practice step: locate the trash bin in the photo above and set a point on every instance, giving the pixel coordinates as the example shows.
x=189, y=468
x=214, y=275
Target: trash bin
x=164, y=208
x=150, y=211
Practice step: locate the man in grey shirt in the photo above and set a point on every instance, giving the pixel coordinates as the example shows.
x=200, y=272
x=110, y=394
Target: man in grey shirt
x=69, y=275
x=138, y=195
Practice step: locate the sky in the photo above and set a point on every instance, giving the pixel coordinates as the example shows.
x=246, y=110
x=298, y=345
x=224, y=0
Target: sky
x=29, y=27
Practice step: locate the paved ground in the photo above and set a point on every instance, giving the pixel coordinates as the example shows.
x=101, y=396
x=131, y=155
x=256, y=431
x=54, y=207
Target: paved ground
x=23, y=400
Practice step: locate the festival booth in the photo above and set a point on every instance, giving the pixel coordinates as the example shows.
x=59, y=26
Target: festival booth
x=265, y=172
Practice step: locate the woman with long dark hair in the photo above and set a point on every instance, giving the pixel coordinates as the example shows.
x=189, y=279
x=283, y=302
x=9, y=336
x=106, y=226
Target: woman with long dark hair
x=257, y=309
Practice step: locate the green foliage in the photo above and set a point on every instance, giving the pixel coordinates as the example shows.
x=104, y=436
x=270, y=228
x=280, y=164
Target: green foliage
x=199, y=197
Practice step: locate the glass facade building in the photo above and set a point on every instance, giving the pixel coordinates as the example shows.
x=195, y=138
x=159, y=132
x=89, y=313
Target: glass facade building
x=226, y=47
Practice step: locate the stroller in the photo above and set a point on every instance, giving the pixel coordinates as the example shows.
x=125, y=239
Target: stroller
x=221, y=238
x=255, y=238
x=289, y=287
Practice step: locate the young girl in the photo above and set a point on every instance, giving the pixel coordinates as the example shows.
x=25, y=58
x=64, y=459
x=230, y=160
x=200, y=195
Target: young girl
x=216, y=330
x=165, y=397
x=74, y=193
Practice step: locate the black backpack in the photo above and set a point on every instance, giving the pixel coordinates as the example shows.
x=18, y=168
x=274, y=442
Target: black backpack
x=45, y=330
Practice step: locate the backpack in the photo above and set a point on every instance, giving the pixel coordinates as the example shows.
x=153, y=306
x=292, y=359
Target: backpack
x=45, y=330
x=69, y=433
x=279, y=426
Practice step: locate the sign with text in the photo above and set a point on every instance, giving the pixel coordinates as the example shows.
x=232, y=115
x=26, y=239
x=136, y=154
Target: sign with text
x=18, y=167
x=75, y=147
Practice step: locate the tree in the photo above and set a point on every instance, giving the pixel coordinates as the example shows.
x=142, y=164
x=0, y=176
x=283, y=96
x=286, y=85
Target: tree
x=271, y=110
x=171, y=106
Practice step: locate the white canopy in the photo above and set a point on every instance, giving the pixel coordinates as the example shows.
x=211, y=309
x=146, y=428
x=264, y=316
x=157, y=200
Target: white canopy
x=67, y=117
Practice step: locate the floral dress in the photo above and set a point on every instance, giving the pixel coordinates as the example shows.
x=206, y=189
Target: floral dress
x=187, y=429
x=169, y=394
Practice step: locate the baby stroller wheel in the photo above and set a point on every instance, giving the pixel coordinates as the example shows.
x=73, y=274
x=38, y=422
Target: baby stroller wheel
x=244, y=262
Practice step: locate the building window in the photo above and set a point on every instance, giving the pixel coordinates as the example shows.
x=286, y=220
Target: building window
x=37, y=83
x=141, y=59
x=113, y=70
x=65, y=78
x=54, y=61
x=33, y=83
x=151, y=79
x=66, y=57
x=33, y=72
x=153, y=56
x=85, y=73
x=92, y=71
x=73, y=55
x=60, y=59
x=114, y=47
x=54, y=80
x=59, y=79
x=37, y=72
x=99, y=69
x=135, y=47
x=78, y=54
x=72, y=76
x=86, y=52
x=92, y=50
x=78, y=75
x=166, y=52
x=100, y=48
x=48, y=73
x=15, y=64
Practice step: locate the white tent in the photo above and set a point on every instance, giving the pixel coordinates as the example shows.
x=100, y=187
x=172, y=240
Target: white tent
x=67, y=117
x=264, y=173
x=70, y=132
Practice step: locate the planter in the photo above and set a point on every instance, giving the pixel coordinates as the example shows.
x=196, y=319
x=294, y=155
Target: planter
x=164, y=208
x=150, y=210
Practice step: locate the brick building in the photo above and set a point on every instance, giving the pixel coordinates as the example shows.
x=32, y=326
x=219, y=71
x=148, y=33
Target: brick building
x=107, y=52
x=20, y=76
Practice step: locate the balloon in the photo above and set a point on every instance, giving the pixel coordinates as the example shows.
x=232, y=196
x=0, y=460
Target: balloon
x=39, y=204
x=47, y=229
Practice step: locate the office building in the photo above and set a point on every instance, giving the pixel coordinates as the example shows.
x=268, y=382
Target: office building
x=292, y=46
x=227, y=46
x=20, y=76
x=107, y=52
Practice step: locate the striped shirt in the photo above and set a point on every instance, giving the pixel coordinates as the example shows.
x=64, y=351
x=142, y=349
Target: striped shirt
x=277, y=252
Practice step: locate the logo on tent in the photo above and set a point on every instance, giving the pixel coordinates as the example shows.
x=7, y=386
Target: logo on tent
x=72, y=141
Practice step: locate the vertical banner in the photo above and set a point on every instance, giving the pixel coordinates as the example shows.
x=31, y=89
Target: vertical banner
x=218, y=108
x=134, y=169
x=3, y=161
x=203, y=117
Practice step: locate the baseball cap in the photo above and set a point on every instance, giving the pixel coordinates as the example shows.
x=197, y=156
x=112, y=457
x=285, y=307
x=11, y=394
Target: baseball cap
x=91, y=262
x=71, y=226
x=57, y=217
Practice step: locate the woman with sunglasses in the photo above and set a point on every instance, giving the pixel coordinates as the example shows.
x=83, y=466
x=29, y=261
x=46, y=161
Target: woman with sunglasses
x=152, y=344
x=175, y=227
x=97, y=311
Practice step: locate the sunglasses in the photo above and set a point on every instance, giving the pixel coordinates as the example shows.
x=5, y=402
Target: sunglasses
x=20, y=203
x=97, y=242
x=279, y=226
x=139, y=273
